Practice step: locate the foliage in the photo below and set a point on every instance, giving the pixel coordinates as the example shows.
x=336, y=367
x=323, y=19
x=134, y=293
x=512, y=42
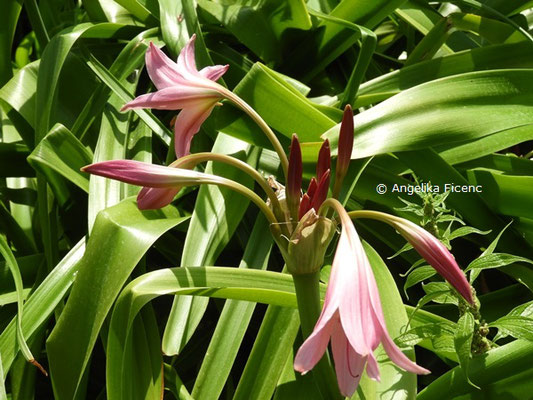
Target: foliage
x=442, y=93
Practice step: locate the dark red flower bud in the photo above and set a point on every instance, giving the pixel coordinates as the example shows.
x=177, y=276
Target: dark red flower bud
x=321, y=191
x=312, y=187
x=294, y=183
x=305, y=205
x=345, y=146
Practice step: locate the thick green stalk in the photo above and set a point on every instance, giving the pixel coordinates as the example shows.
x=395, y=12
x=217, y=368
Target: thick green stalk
x=309, y=307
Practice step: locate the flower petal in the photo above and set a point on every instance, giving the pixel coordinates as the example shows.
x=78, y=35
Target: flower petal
x=144, y=174
x=215, y=72
x=398, y=358
x=162, y=70
x=188, y=124
x=349, y=365
x=354, y=306
x=174, y=98
x=372, y=368
x=153, y=198
x=186, y=58
x=314, y=347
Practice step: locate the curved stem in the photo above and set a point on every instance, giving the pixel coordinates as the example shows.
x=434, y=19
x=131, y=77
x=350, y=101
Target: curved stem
x=237, y=187
x=264, y=127
x=192, y=160
x=338, y=207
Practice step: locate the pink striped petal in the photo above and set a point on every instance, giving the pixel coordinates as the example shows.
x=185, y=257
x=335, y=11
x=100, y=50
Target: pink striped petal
x=162, y=70
x=144, y=174
x=349, y=365
x=174, y=98
x=215, y=72
x=186, y=58
x=188, y=124
x=372, y=368
x=154, y=198
x=314, y=347
x=398, y=358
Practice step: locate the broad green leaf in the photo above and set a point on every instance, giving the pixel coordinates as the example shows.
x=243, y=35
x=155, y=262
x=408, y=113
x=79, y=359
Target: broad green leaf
x=222, y=282
x=120, y=237
x=269, y=353
x=216, y=215
x=410, y=120
x=506, y=194
x=513, y=55
x=61, y=152
x=463, y=342
x=495, y=366
x=279, y=104
x=272, y=18
x=233, y=322
x=53, y=59
x=8, y=20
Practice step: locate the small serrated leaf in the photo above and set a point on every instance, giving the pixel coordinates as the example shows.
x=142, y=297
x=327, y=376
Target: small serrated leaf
x=466, y=230
x=516, y=326
x=418, y=275
x=463, y=342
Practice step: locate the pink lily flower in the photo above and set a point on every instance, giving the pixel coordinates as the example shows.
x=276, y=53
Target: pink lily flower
x=352, y=318
x=181, y=86
x=434, y=252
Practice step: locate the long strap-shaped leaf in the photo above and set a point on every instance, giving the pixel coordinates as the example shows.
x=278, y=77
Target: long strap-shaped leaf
x=233, y=322
x=120, y=237
x=216, y=215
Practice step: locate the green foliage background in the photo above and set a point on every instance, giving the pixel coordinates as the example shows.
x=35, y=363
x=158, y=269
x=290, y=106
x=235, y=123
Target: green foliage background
x=443, y=93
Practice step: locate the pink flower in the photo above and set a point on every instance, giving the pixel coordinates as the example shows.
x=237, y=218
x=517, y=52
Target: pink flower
x=352, y=318
x=435, y=253
x=181, y=86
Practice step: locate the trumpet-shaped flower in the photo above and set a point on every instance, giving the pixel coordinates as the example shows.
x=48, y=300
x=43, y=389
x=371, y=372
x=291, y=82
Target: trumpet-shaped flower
x=352, y=318
x=181, y=86
x=435, y=253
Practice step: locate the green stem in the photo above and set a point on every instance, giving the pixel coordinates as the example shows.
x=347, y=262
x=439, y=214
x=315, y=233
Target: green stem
x=191, y=160
x=308, y=297
x=264, y=127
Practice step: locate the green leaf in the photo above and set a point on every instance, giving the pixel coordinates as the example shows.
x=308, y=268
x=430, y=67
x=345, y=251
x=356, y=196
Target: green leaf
x=233, y=322
x=495, y=366
x=269, y=354
x=463, y=342
x=464, y=231
x=120, y=237
x=412, y=121
x=11, y=261
x=61, y=152
x=216, y=215
x=496, y=260
x=284, y=109
x=517, y=326
x=42, y=303
x=506, y=194
x=418, y=275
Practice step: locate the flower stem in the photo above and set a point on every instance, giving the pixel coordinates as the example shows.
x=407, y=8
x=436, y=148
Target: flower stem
x=191, y=160
x=308, y=297
x=264, y=127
